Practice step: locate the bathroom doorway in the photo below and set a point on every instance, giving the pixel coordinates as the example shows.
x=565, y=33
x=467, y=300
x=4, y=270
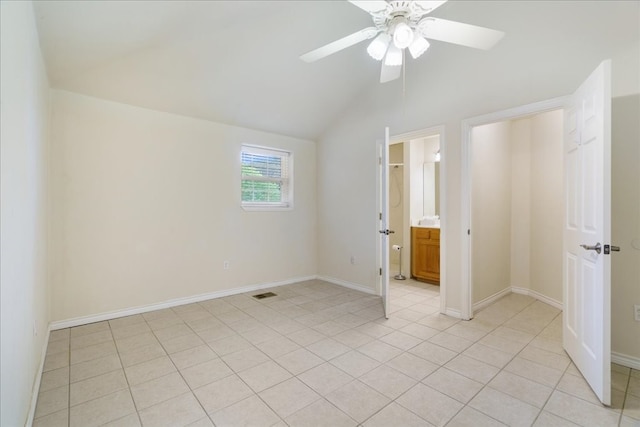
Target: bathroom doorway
x=416, y=183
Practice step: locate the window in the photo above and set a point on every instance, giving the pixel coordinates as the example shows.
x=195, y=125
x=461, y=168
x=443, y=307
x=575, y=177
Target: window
x=266, y=178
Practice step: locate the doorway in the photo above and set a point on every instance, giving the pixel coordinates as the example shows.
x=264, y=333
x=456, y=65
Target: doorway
x=500, y=258
x=413, y=195
x=516, y=170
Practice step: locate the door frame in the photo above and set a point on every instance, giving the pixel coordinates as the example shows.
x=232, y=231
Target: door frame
x=405, y=137
x=466, y=235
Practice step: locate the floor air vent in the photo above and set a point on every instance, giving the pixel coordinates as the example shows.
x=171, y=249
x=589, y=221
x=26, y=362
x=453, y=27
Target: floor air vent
x=265, y=295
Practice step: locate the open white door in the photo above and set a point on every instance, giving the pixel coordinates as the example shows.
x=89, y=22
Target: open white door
x=383, y=162
x=587, y=231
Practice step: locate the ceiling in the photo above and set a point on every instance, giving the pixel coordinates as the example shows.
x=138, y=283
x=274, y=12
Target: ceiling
x=237, y=62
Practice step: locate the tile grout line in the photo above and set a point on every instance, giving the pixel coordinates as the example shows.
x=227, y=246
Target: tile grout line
x=176, y=367
x=124, y=372
x=624, y=399
x=69, y=382
x=500, y=370
x=320, y=296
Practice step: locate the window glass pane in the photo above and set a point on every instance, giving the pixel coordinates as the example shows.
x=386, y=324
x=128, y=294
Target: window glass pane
x=261, y=191
x=259, y=165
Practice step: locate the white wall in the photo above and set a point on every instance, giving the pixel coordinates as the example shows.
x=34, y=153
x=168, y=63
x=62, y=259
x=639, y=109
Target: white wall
x=23, y=203
x=147, y=208
x=443, y=90
x=416, y=179
x=431, y=199
x=491, y=209
x=625, y=225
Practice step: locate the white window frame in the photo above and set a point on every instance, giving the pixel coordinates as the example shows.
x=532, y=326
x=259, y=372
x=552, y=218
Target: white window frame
x=285, y=179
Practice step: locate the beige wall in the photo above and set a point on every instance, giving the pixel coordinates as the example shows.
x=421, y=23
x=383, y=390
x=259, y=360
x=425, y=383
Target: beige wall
x=521, y=203
x=147, y=208
x=24, y=293
x=625, y=225
x=490, y=209
x=547, y=204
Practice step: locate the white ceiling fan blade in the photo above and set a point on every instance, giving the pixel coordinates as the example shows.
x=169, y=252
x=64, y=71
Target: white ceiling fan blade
x=340, y=44
x=459, y=33
x=371, y=6
x=429, y=5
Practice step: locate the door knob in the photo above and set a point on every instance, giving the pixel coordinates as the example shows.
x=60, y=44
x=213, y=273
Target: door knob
x=596, y=248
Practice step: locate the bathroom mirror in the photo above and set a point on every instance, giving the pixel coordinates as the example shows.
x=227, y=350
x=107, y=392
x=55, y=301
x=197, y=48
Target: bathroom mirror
x=431, y=186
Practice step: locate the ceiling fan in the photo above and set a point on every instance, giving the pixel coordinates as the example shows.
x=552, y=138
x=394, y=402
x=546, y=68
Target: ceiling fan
x=403, y=24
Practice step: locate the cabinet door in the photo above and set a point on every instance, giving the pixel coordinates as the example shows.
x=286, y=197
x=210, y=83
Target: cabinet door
x=426, y=254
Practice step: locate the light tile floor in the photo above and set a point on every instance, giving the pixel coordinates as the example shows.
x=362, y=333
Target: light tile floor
x=323, y=355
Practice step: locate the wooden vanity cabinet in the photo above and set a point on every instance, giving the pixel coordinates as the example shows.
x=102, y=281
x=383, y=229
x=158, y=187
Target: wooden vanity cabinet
x=425, y=254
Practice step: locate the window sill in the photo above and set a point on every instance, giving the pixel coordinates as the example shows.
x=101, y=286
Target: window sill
x=266, y=208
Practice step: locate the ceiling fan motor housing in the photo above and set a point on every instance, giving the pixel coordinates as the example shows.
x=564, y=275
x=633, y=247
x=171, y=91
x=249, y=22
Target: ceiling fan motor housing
x=408, y=12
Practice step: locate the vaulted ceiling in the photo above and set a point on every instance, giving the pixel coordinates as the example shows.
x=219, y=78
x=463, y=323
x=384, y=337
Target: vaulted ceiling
x=237, y=62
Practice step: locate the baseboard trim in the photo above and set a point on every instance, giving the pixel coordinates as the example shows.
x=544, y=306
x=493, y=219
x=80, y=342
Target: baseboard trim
x=350, y=285
x=537, y=295
x=490, y=299
x=625, y=360
x=36, y=385
x=83, y=320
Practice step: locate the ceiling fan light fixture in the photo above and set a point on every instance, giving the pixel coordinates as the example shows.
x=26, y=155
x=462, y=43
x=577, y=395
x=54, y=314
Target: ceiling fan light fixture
x=378, y=47
x=402, y=35
x=394, y=56
x=418, y=47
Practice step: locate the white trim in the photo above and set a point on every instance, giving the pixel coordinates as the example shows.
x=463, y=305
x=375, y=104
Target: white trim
x=83, y=320
x=350, y=285
x=466, y=299
x=491, y=299
x=467, y=126
x=625, y=360
x=38, y=380
x=451, y=312
x=537, y=295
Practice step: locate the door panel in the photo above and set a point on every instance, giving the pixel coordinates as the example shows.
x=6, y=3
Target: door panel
x=587, y=272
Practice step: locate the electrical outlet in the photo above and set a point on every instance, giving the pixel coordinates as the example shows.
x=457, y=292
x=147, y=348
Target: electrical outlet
x=353, y=259
x=636, y=312
x=226, y=265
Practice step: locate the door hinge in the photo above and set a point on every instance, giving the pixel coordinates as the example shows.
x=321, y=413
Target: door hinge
x=380, y=272
x=379, y=160
x=380, y=216
x=468, y=232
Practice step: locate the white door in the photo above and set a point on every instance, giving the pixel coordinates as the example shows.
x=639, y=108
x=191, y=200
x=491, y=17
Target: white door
x=383, y=164
x=587, y=231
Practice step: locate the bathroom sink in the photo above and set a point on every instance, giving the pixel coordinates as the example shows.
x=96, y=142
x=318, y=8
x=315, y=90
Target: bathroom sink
x=434, y=225
x=429, y=223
